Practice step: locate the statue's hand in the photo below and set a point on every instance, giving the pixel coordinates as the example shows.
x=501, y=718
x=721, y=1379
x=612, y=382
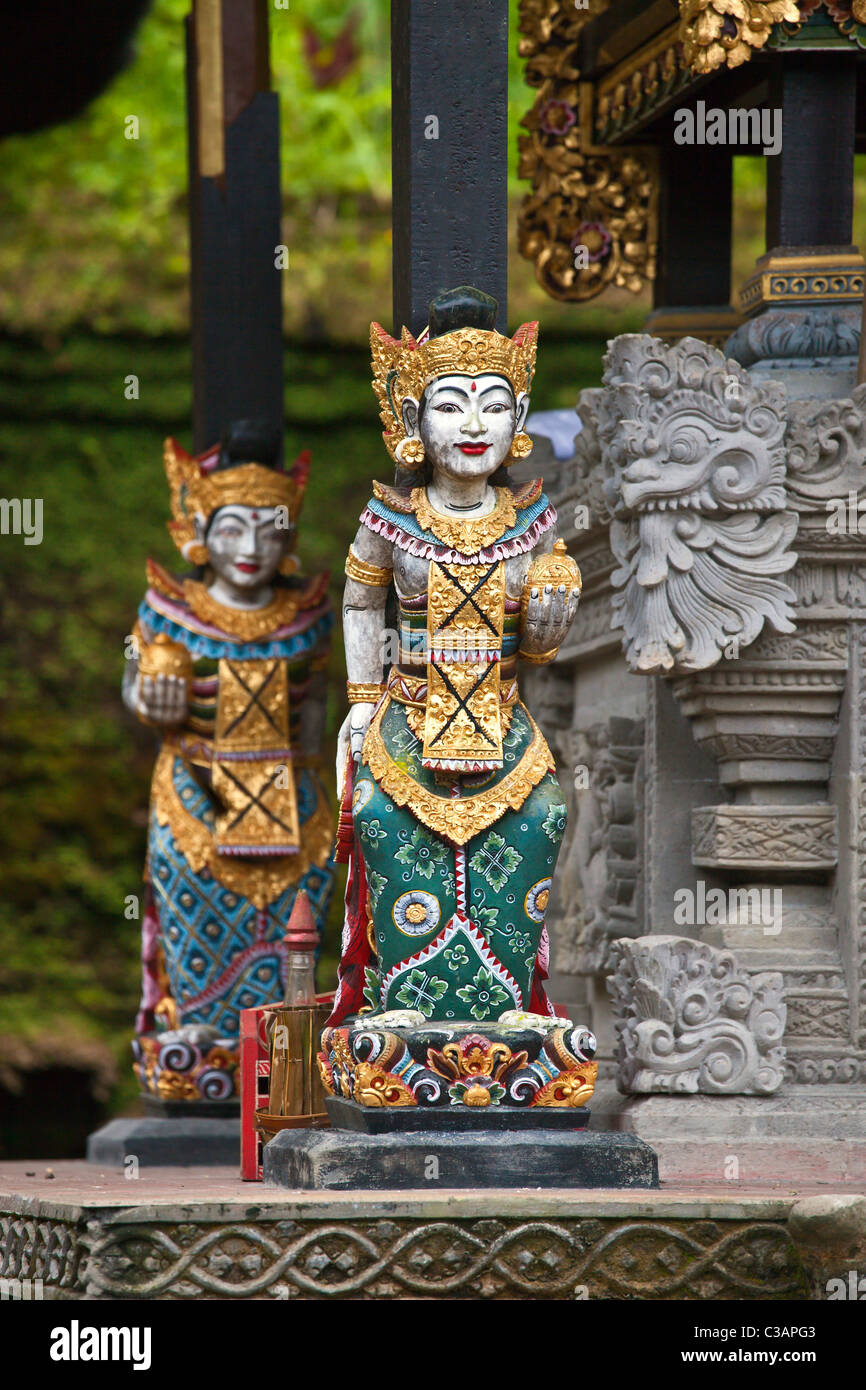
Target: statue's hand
x=549, y=615
x=162, y=699
x=352, y=733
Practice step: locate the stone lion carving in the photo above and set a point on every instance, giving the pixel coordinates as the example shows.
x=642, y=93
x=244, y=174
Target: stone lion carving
x=695, y=478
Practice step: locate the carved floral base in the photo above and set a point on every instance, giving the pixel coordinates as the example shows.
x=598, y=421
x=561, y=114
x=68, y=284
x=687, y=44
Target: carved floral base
x=187, y=1064
x=400, y=1060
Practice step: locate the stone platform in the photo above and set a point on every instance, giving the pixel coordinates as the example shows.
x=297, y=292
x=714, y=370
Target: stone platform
x=197, y=1233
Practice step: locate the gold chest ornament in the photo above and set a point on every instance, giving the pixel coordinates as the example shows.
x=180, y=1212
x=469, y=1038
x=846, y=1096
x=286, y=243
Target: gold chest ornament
x=463, y=715
x=252, y=768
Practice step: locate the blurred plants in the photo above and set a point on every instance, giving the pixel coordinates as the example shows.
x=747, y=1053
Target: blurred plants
x=93, y=227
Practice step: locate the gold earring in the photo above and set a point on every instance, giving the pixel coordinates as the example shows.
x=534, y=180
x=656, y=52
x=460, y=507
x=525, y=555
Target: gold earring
x=196, y=554
x=521, y=446
x=411, y=452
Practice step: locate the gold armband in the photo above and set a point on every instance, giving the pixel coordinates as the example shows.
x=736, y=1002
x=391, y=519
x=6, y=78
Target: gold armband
x=538, y=658
x=364, y=573
x=361, y=694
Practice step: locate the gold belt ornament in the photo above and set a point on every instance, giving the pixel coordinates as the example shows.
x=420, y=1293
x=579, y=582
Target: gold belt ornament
x=253, y=776
x=465, y=621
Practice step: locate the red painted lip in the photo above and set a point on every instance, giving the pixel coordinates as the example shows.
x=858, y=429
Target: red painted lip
x=246, y=568
x=473, y=448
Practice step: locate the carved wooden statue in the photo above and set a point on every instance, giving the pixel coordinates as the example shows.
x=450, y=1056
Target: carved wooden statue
x=457, y=814
x=231, y=670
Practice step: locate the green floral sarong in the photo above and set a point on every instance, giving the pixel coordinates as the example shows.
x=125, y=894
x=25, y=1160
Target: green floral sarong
x=457, y=928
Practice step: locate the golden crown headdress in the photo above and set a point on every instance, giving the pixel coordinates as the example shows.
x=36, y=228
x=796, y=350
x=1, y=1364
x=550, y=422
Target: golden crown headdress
x=199, y=488
x=404, y=367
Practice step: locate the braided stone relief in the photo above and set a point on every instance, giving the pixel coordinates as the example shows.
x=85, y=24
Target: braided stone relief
x=466, y=1259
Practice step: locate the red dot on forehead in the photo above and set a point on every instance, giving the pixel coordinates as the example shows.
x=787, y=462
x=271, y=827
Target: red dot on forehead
x=255, y=516
x=473, y=387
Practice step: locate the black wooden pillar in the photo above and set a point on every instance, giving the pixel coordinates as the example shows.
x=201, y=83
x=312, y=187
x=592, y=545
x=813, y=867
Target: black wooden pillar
x=810, y=183
x=449, y=82
x=694, y=234
x=234, y=205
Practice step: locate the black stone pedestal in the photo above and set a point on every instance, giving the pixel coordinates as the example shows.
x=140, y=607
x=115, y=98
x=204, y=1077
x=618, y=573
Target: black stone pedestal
x=451, y=1119
x=522, y=1151
x=180, y=1140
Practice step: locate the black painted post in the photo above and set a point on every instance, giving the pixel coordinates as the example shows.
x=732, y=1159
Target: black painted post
x=234, y=204
x=449, y=83
x=695, y=209
x=810, y=183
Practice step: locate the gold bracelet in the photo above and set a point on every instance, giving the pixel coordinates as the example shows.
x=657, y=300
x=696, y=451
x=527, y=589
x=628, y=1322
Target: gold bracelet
x=538, y=658
x=364, y=573
x=361, y=694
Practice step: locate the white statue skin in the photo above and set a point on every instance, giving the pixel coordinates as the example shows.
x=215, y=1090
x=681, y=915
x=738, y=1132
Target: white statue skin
x=244, y=549
x=454, y=417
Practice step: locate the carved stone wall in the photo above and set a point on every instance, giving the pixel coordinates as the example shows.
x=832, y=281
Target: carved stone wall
x=598, y=894
x=754, y=737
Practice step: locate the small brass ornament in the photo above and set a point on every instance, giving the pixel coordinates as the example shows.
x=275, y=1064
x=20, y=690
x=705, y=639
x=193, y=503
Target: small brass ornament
x=411, y=452
x=162, y=657
x=554, y=569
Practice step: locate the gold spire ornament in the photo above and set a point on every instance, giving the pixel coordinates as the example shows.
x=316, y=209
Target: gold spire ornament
x=163, y=657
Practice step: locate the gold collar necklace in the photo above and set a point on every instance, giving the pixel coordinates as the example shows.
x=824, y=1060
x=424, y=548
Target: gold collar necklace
x=248, y=624
x=463, y=533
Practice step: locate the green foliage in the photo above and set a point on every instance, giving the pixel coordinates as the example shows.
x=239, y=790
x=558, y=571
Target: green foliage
x=93, y=226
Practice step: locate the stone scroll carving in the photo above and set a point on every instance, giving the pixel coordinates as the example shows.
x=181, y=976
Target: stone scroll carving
x=826, y=448
x=694, y=461
x=688, y=1020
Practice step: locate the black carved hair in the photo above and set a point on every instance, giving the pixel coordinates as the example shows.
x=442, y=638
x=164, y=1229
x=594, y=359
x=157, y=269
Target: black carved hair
x=464, y=307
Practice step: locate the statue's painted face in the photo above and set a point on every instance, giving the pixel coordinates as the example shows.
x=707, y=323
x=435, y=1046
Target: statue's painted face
x=467, y=424
x=245, y=546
